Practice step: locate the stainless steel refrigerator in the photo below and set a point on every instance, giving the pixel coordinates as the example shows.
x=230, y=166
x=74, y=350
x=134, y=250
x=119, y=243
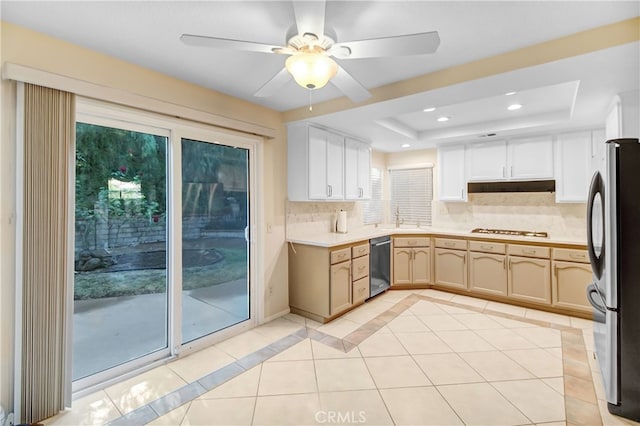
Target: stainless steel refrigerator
x=613, y=239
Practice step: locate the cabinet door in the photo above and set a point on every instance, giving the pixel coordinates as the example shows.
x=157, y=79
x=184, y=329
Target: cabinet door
x=340, y=287
x=530, y=158
x=335, y=166
x=402, y=265
x=598, y=140
x=529, y=279
x=364, y=171
x=317, y=164
x=351, y=187
x=572, y=164
x=451, y=178
x=488, y=273
x=421, y=265
x=487, y=161
x=357, y=170
x=569, y=285
x=451, y=268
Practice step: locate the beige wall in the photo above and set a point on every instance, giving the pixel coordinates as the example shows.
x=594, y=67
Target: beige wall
x=35, y=50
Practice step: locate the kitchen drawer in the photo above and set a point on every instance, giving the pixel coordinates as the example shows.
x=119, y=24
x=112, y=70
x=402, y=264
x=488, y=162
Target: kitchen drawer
x=360, y=267
x=488, y=247
x=341, y=255
x=451, y=243
x=360, y=290
x=359, y=250
x=411, y=242
x=571, y=255
x=528, y=251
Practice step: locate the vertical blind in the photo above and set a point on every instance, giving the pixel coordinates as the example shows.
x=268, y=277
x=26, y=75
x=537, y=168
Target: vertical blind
x=373, y=209
x=49, y=131
x=412, y=194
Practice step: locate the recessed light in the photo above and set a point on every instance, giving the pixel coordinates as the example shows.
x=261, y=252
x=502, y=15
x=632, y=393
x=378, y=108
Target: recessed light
x=405, y=145
x=443, y=119
x=429, y=109
x=514, y=107
x=510, y=93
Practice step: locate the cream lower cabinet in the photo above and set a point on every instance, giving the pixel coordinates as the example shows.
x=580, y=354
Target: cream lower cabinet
x=411, y=261
x=571, y=276
x=487, y=268
x=529, y=278
x=340, y=287
x=450, y=263
x=325, y=282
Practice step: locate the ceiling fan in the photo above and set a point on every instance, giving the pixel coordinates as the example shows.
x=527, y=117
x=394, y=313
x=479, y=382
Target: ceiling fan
x=311, y=47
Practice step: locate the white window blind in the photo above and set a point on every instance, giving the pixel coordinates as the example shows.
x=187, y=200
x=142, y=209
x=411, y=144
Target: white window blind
x=412, y=194
x=373, y=209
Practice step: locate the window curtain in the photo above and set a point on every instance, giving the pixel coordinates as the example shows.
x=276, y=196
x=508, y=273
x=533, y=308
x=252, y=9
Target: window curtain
x=49, y=134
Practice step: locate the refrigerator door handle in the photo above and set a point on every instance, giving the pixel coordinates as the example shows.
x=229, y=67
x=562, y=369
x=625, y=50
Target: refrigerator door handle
x=597, y=187
x=598, y=305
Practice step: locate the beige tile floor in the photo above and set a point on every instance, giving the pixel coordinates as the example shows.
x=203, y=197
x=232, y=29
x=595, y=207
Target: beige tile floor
x=421, y=357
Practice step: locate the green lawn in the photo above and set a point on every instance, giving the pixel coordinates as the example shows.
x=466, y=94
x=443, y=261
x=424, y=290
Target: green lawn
x=96, y=285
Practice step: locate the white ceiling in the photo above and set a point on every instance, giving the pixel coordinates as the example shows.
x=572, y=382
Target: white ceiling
x=570, y=93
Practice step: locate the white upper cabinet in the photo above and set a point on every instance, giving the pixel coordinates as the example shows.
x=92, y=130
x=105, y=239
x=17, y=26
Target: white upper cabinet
x=451, y=174
x=357, y=170
x=622, y=118
x=573, y=161
x=324, y=165
x=517, y=159
x=598, y=139
x=530, y=158
x=487, y=161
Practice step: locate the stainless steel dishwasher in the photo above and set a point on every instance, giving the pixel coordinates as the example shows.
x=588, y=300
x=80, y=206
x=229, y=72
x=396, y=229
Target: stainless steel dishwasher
x=380, y=265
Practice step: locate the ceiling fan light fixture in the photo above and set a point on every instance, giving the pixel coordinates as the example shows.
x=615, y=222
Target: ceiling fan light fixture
x=311, y=70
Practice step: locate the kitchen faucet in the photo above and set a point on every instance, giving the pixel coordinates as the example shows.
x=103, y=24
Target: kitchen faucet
x=398, y=221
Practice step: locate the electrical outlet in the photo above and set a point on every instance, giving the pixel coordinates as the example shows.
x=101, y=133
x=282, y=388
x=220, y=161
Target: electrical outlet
x=269, y=228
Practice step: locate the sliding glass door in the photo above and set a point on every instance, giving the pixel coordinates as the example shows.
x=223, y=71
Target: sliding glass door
x=120, y=279
x=215, y=231
x=163, y=254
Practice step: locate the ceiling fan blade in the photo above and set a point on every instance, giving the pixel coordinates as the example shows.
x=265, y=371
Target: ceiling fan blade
x=350, y=86
x=272, y=86
x=228, y=44
x=404, y=45
x=310, y=16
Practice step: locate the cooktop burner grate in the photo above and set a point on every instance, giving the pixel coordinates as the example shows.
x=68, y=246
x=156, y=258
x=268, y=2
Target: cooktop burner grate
x=510, y=232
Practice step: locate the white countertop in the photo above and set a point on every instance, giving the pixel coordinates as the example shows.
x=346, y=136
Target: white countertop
x=332, y=239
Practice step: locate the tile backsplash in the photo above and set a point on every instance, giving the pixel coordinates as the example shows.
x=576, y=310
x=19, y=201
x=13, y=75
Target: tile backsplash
x=308, y=218
x=518, y=211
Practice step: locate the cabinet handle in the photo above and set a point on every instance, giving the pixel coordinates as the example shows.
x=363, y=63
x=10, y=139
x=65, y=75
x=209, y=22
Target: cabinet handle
x=509, y=263
x=504, y=171
x=449, y=244
x=510, y=171
x=486, y=247
x=504, y=263
x=361, y=268
x=529, y=251
x=462, y=193
x=555, y=270
x=577, y=256
x=464, y=258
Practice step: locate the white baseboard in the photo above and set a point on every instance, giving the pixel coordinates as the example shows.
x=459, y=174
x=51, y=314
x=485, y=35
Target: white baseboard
x=276, y=315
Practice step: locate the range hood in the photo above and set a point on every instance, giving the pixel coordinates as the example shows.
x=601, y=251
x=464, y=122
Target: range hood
x=512, y=186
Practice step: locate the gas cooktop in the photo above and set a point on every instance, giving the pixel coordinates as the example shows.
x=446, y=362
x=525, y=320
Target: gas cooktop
x=510, y=232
